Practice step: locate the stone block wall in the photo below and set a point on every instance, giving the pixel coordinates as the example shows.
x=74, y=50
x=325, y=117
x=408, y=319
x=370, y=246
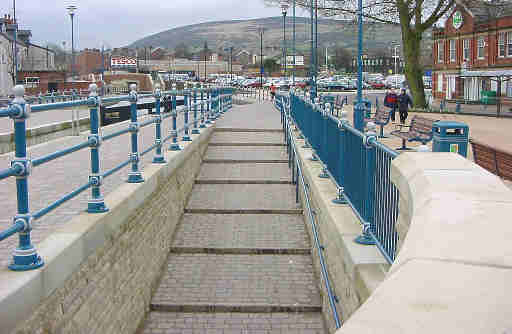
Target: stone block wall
x=101, y=270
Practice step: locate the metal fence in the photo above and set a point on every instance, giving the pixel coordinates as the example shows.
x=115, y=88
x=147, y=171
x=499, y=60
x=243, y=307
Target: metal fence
x=206, y=105
x=356, y=162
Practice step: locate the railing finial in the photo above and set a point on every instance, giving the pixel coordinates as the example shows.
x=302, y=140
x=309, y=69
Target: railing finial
x=19, y=93
x=93, y=90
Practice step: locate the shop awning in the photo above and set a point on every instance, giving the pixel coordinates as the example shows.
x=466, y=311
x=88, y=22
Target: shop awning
x=486, y=74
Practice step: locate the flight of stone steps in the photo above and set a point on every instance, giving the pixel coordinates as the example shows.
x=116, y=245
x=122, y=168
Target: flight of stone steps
x=240, y=260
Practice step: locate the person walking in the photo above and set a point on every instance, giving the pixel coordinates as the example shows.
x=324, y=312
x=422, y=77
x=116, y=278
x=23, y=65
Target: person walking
x=390, y=101
x=404, y=101
x=273, y=89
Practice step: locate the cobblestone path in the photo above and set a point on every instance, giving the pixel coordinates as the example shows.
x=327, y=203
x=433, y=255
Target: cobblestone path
x=240, y=261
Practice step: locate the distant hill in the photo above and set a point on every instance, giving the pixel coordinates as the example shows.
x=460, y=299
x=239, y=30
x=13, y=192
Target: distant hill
x=242, y=34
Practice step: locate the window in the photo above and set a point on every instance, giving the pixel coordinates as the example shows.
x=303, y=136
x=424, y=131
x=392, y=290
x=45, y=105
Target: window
x=509, y=44
x=452, y=51
x=501, y=44
x=440, y=82
x=481, y=48
x=467, y=50
x=440, y=52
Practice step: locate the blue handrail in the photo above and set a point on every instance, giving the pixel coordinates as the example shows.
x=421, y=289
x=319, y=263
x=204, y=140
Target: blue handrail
x=358, y=164
x=299, y=176
x=25, y=257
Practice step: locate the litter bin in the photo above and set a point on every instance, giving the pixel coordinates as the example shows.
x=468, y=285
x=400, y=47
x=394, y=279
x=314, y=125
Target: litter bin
x=488, y=97
x=450, y=137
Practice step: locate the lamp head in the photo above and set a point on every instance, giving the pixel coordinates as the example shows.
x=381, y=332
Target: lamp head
x=284, y=7
x=71, y=9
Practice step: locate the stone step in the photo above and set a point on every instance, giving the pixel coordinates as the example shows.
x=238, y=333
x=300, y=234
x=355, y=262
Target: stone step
x=244, y=172
x=242, y=153
x=243, y=197
x=247, y=144
x=255, y=138
x=237, y=283
x=233, y=323
x=241, y=234
x=232, y=129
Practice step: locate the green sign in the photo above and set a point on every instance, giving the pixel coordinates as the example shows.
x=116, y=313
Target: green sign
x=454, y=148
x=457, y=19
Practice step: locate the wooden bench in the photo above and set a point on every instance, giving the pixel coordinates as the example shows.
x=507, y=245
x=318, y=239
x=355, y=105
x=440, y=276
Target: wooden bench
x=419, y=130
x=494, y=160
x=381, y=117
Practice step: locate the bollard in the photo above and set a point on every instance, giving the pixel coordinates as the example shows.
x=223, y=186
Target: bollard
x=174, y=132
x=158, y=158
x=135, y=176
x=195, y=131
x=186, y=136
x=96, y=203
x=369, y=192
x=25, y=256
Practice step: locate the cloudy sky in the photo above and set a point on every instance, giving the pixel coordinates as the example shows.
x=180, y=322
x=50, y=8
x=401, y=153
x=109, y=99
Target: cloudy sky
x=118, y=23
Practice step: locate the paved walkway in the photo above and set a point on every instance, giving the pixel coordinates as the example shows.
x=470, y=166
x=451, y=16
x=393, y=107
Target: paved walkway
x=240, y=261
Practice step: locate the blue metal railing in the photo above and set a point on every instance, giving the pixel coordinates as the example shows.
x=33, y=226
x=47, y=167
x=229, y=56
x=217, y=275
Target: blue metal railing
x=298, y=178
x=25, y=257
x=357, y=163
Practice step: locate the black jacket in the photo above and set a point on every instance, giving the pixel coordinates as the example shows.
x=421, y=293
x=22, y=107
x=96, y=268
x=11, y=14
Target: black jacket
x=404, y=101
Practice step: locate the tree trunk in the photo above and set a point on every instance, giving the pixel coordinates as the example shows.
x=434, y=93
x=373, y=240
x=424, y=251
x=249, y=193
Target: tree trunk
x=413, y=66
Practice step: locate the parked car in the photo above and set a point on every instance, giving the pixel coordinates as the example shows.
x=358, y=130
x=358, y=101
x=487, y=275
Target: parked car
x=377, y=85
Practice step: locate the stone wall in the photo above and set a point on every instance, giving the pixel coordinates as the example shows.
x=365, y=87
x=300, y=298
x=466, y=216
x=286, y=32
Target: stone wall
x=354, y=270
x=100, y=269
x=454, y=268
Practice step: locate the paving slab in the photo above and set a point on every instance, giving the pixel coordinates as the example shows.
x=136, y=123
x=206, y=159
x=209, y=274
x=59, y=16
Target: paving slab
x=252, y=116
x=257, y=233
x=257, y=197
x=257, y=172
x=233, y=138
x=233, y=323
x=255, y=283
x=250, y=153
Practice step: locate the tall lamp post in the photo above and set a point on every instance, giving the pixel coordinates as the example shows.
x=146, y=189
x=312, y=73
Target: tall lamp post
x=294, y=46
x=71, y=11
x=396, y=46
x=261, y=31
x=284, y=10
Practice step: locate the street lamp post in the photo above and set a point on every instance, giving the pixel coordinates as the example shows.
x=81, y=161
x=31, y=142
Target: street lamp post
x=71, y=11
x=261, y=31
x=284, y=9
x=294, y=46
x=396, y=65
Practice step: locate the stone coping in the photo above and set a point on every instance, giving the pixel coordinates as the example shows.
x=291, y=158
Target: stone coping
x=68, y=247
x=454, y=267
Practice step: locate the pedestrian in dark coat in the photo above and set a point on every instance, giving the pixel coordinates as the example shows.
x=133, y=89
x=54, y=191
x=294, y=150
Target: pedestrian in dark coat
x=404, y=101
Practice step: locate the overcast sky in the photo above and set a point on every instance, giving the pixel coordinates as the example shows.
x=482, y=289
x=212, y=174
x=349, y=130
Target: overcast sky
x=118, y=23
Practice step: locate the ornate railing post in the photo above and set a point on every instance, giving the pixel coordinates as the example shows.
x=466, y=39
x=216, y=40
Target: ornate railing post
x=25, y=256
x=325, y=145
x=195, y=131
x=135, y=176
x=208, y=106
x=369, y=192
x=342, y=154
x=96, y=203
x=158, y=158
x=186, y=136
x=203, y=125
x=174, y=132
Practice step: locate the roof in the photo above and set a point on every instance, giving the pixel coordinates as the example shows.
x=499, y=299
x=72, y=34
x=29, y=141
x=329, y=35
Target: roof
x=9, y=38
x=483, y=10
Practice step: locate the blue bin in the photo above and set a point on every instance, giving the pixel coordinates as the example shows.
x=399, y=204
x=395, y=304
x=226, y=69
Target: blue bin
x=450, y=137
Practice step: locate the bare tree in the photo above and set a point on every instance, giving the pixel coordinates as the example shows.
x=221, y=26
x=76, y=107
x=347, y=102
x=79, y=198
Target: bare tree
x=413, y=16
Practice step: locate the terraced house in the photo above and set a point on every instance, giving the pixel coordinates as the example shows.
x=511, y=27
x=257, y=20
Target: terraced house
x=34, y=62
x=473, y=51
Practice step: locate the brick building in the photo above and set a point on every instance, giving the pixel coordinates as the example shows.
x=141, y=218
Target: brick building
x=90, y=61
x=473, y=51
